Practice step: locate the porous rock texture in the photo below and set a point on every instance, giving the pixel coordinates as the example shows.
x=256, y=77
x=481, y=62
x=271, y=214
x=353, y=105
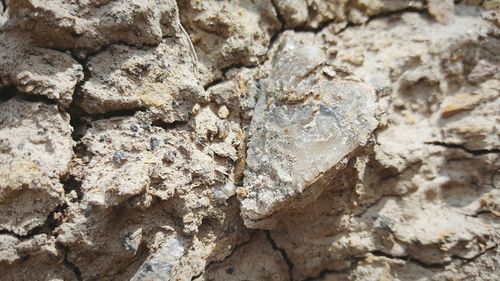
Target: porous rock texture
x=249, y=140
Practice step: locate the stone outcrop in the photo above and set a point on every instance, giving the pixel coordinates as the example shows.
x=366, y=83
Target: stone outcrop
x=249, y=140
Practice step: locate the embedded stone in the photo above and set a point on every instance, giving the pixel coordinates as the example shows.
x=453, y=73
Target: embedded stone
x=309, y=116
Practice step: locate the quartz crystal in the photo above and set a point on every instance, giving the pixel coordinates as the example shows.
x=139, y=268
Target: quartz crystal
x=309, y=116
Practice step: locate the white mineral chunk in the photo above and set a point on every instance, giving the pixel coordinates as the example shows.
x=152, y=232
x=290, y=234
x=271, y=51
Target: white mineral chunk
x=309, y=116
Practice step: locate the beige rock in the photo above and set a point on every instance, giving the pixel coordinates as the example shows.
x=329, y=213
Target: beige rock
x=256, y=260
x=157, y=78
x=441, y=10
x=224, y=33
x=36, y=148
x=155, y=187
x=38, y=71
x=90, y=25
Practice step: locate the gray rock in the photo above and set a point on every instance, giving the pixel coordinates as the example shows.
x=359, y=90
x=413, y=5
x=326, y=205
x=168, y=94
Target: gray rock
x=309, y=116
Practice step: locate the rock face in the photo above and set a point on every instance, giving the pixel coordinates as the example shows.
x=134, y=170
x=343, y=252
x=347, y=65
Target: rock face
x=161, y=79
x=90, y=25
x=308, y=117
x=249, y=140
x=36, y=148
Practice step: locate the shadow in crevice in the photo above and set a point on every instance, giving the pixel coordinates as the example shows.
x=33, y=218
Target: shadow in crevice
x=7, y=93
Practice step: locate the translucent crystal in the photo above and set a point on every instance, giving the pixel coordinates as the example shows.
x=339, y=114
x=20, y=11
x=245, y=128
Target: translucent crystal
x=308, y=117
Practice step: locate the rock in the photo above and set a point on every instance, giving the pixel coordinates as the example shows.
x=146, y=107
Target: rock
x=38, y=71
x=483, y=71
x=460, y=103
x=90, y=25
x=157, y=78
x=233, y=148
x=35, y=152
x=256, y=260
x=124, y=163
x=224, y=33
x=475, y=130
x=441, y=10
x=314, y=14
x=162, y=264
x=305, y=122
x=295, y=13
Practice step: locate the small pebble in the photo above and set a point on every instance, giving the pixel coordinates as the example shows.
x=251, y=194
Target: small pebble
x=223, y=112
x=154, y=143
x=119, y=157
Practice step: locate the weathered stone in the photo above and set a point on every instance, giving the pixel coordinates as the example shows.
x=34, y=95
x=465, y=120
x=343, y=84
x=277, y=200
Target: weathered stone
x=156, y=188
x=35, y=151
x=309, y=116
x=224, y=33
x=38, y=71
x=90, y=25
x=158, y=78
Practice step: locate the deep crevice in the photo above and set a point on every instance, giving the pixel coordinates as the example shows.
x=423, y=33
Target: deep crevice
x=71, y=183
x=71, y=265
x=214, y=82
x=279, y=15
x=47, y=227
x=4, y=5
x=168, y=126
x=283, y=254
x=7, y=93
x=475, y=152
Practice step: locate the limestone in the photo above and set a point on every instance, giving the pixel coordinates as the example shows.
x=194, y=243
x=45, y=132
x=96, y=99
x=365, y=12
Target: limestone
x=158, y=78
x=162, y=263
x=34, y=155
x=255, y=260
x=309, y=116
x=130, y=156
x=313, y=14
x=442, y=11
x=224, y=33
x=37, y=71
x=238, y=93
x=137, y=153
x=241, y=145
x=35, y=151
x=403, y=201
x=90, y=25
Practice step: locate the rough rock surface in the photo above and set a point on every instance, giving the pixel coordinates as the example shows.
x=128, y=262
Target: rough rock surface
x=249, y=140
x=36, y=148
x=308, y=117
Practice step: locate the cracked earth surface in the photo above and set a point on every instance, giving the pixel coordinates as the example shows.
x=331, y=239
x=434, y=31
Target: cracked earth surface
x=249, y=140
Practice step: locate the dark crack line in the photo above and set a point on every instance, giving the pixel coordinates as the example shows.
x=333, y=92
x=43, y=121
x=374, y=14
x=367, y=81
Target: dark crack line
x=469, y=260
x=475, y=152
x=13, y=92
x=283, y=254
x=279, y=15
x=215, y=82
x=70, y=265
x=369, y=206
x=4, y=4
x=233, y=251
x=379, y=253
x=408, y=258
